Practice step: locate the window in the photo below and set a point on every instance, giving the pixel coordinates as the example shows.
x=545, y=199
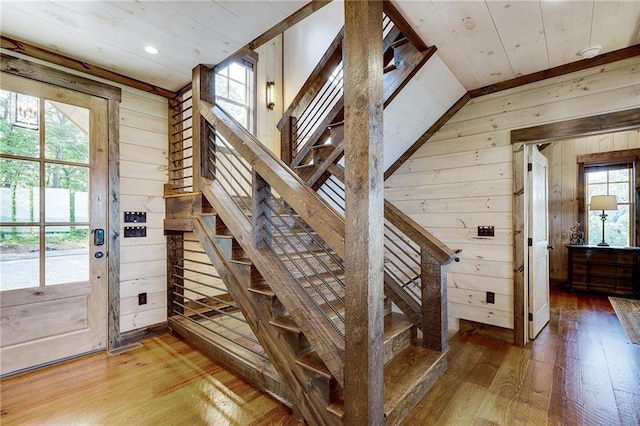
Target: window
x=614, y=179
x=235, y=92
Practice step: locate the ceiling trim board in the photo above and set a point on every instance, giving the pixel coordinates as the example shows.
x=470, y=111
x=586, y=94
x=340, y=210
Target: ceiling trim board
x=74, y=64
x=426, y=135
x=603, y=59
x=31, y=70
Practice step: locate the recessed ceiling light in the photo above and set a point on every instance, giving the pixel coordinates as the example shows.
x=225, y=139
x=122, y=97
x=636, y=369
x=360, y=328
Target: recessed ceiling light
x=589, y=52
x=151, y=49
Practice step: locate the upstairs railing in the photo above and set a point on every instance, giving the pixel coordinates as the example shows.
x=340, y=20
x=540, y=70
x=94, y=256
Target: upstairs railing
x=180, y=172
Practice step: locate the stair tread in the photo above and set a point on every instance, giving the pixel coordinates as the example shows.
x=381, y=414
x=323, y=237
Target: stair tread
x=304, y=166
x=312, y=361
x=394, y=324
x=263, y=290
x=286, y=323
x=405, y=371
x=401, y=375
x=323, y=146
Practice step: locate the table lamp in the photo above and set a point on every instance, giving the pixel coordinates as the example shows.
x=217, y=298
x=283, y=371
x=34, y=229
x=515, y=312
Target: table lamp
x=603, y=202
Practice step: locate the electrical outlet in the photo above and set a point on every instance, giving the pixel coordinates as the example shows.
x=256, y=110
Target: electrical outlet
x=491, y=297
x=142, y=298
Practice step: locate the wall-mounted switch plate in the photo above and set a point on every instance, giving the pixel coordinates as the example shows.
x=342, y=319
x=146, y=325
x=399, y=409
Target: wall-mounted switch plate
x=486, y=231
x=142, y=298
x=491, y=297
x=135, y=217
x=135, y=231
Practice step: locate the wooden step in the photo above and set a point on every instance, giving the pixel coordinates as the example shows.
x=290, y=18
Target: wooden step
x=407, y=379
x=399, y=333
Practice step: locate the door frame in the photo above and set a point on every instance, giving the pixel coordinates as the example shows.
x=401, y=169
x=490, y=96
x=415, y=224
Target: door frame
x=593, y=125
x=45, y=74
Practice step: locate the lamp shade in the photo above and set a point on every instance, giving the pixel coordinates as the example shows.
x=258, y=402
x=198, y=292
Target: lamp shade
x=604, y=202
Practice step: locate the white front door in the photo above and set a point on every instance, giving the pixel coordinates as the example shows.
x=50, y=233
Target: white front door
x=539, y=243
x=53, y=215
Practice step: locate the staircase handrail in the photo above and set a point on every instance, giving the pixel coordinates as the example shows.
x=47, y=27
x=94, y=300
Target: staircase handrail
x=305, y=201
x=314, y=82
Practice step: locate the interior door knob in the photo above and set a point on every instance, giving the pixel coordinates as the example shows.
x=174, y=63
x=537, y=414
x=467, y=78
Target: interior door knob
x=550, y=247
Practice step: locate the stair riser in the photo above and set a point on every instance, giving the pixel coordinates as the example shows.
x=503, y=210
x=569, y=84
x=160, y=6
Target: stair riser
x=398, y=343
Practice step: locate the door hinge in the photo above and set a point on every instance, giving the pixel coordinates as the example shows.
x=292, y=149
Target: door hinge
x=530, y=316
x=530, y=242
x=529, y=167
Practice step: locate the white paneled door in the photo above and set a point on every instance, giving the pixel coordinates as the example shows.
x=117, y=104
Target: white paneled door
x=538, y=242
x=53, y=223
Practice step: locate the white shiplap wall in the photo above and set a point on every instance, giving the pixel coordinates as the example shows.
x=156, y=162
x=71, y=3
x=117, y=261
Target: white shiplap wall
x=462, y=177
x=143, y=172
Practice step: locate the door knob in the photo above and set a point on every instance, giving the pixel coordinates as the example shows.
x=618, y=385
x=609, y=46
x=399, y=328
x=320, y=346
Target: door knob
x=99, y=255
x=550, y=247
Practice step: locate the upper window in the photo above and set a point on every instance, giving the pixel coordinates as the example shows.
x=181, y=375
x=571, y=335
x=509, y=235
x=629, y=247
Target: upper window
x=234, y=92
x=612, y=179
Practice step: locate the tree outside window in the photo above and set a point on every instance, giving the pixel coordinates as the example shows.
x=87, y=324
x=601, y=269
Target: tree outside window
x=610, y=180
x=234, y=93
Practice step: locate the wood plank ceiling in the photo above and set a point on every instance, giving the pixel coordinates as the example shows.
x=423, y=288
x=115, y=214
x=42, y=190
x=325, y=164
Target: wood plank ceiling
x=482, y=42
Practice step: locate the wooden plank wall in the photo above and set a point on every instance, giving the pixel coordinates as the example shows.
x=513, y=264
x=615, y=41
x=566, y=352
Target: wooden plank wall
x=143, y=173
x=563, y=180
x=462, y=178
x=269, y=68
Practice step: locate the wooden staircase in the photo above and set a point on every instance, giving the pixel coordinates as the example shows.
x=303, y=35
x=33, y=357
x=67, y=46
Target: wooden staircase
x=278, y=247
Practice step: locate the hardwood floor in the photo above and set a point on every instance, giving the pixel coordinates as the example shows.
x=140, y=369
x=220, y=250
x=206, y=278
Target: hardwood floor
x=581, y=370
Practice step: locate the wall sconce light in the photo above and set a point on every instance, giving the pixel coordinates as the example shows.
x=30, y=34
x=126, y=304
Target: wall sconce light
x=271, y=94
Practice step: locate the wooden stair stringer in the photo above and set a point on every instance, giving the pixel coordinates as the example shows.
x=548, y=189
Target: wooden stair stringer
x=300, y=393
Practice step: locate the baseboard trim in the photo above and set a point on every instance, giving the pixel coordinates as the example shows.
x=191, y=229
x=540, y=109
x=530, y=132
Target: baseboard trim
x=134, y=336
x=500, y=333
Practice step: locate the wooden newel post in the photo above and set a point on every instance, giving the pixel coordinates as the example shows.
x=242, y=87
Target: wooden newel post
x=287, y=138
x=434, y=303
x=364, y=214
x=261, y=211
x=201, y=89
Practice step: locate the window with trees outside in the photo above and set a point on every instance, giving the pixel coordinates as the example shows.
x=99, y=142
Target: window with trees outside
x=44, y=191
x=614, y=179
x=235, y=92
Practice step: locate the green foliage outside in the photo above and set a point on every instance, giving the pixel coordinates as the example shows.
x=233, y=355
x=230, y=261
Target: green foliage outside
x=63, y=141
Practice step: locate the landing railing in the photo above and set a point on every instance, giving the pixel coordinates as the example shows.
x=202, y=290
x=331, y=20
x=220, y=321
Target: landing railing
x=412, y=258
x=181, y=142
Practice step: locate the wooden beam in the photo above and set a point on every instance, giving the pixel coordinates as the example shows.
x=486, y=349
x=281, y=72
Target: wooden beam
x=77, y=65
x=426, y=135
x=364, y=220
x=602, y=123
x=288, y=22
x=603, y=59
x=404, y=26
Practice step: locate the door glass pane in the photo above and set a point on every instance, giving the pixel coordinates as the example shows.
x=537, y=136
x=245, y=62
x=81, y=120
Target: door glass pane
x=19, y=126
x=66, y=193
x=66, y=132
x=67, y=254
x=19, y=257
x=19, y=191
